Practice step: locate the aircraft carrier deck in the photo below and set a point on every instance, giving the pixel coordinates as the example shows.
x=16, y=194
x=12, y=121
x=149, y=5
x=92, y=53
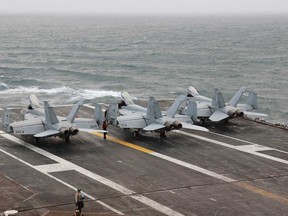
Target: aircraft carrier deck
x=237, y=169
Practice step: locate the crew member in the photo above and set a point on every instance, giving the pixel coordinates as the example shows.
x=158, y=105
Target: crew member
x=104, y=127
x=79, y=200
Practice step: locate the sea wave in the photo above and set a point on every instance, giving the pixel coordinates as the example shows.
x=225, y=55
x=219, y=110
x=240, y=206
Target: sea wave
x=64, y=90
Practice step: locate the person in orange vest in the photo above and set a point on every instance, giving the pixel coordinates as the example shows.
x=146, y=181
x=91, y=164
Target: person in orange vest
x=104, y=127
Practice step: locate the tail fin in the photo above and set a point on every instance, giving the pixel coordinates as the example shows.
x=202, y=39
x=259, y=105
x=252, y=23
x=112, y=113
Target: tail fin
x=218, y=100
x=72, y=115
x=50, y=115
x=98, y=114
x=6, y=121
x=175, y=106
x=252, y=100
x=112, y=114
x=235, y=99
x=153, y=109
x=192, y=110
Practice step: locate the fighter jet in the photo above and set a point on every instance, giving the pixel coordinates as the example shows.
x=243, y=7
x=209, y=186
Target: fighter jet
x=128, y=115
x=216, y=109
x=41, y=123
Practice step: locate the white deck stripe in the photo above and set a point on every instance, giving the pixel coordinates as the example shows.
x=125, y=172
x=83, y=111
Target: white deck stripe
x=62, y=182
x=253, y=150
x=193, y=167
x=64, y=163
x=245, y=141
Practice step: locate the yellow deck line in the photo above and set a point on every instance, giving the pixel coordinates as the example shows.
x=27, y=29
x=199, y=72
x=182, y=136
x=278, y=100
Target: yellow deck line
x=130, y=145
x=262, y=192
x=243, y=185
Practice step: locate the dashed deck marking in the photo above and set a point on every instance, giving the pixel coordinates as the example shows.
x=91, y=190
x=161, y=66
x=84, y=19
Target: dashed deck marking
x=250, y=149
x=242, y=185
x=66, y=165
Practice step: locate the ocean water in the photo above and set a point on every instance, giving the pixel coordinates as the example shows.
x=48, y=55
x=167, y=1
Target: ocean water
x=64, y=58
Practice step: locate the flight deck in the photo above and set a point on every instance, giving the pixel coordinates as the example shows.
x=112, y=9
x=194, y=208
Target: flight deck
x=238, y=169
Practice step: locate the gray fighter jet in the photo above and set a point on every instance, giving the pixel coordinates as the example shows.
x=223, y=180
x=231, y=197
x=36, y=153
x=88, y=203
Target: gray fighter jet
x=128, y=115
x=216, y=109
x=41, y=123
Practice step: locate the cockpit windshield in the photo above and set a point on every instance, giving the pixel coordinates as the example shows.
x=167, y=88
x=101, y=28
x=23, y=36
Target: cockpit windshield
x=192, y=91
x=126, y=97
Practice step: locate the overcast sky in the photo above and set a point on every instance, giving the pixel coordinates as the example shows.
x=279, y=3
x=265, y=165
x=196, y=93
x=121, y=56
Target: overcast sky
x=192, y=7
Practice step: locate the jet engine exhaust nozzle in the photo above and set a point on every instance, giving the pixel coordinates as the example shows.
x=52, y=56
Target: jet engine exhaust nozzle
x=64, y=131
x=73, y=130
x=168, y=126
x=177, y=125
x=240, y=113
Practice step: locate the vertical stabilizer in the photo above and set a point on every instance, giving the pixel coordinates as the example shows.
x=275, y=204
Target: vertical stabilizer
x=175, y=106
x=6, y=121
x=252, y=100
x=50, y=115
x=72, y=115
x=218, y=99
x=98, y=114
x=112, y=114
x=235, y=99
x=192, y=110
x=153, y=109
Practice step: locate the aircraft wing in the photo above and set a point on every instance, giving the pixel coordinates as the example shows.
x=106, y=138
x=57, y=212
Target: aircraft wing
x=254, y=114
x=28, y=127
x=218, y=116
x=153, y=127
x=47, y=133
x=85, y=123
x=193, y=127
x=134, y=120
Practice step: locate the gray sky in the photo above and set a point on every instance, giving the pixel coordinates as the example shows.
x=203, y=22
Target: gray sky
x=144, y=6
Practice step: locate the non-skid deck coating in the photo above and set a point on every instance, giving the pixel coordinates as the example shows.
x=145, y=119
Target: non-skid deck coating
x=237, y=169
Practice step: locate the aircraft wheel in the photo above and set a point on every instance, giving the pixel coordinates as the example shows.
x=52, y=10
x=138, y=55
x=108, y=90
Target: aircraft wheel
x=67, y=139
x=36, y=140
x=162, y=134
x=136, y=134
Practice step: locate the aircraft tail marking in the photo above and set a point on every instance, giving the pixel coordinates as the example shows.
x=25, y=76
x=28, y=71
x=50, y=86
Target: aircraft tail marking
x=98, y=114
x=50, y=115
x=218, y=100
x=6, y=120
x=252, y=100
x=111, y=114
x=153, y=109
x=192, y=110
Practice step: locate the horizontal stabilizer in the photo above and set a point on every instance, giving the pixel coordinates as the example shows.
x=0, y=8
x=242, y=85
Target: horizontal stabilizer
x=255, y=115
x=153, y=126
x=47, y=133
x=218, y=116
x=193, y=127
